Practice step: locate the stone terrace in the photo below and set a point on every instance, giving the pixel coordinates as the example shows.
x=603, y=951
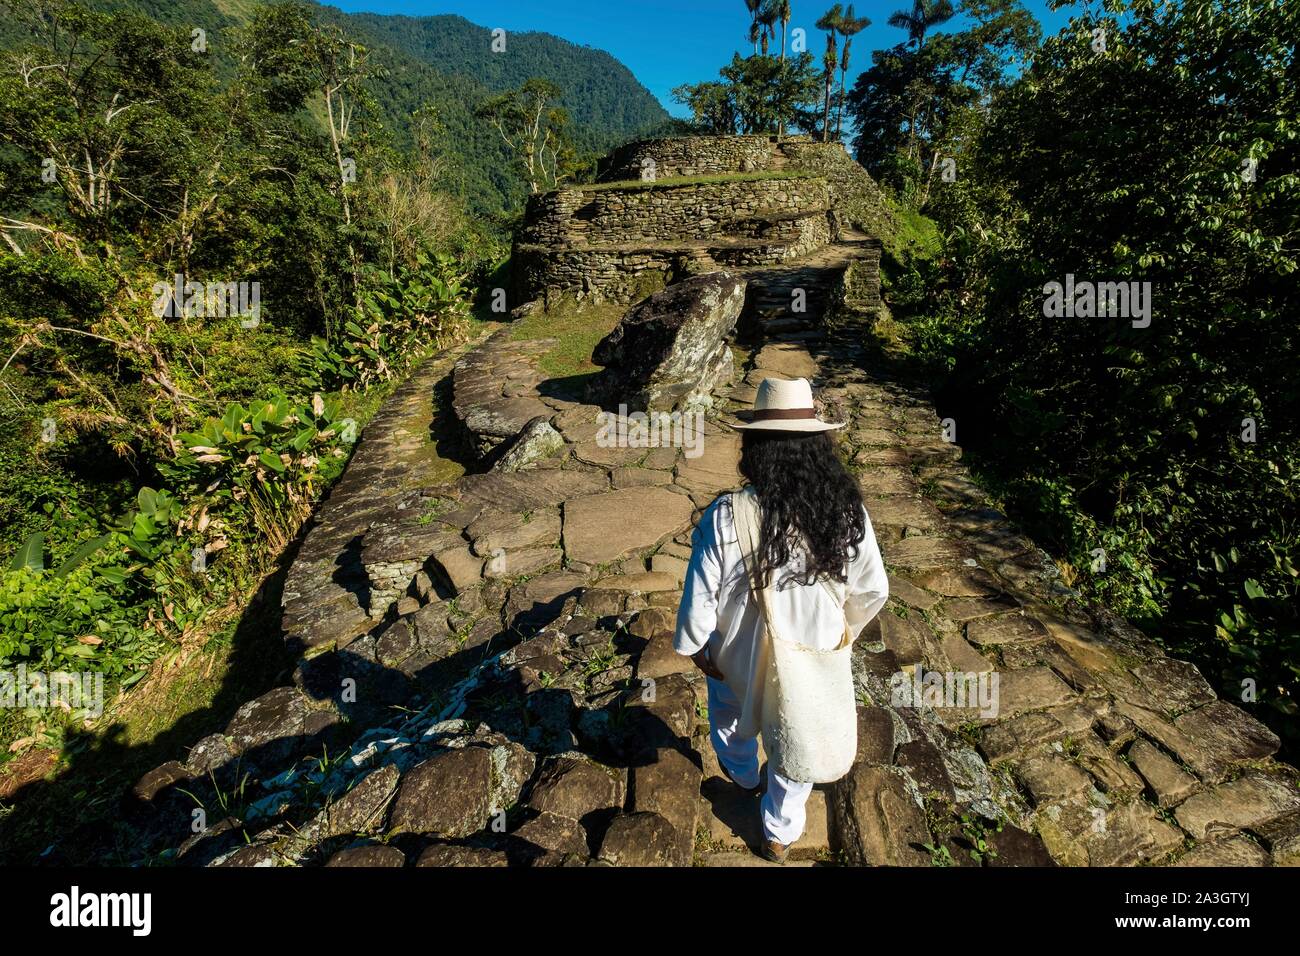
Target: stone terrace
x=762, y=202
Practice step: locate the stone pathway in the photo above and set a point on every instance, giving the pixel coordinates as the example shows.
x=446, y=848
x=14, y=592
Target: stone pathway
x=487, y=676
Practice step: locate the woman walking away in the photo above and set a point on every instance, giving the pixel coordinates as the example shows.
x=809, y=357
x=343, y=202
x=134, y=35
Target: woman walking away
x=783, y=575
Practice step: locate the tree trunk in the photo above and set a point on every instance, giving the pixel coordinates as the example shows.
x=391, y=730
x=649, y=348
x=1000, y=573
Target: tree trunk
x=826, y=109
x=839, y=114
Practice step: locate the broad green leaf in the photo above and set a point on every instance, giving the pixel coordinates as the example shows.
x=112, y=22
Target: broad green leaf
x=31, y=554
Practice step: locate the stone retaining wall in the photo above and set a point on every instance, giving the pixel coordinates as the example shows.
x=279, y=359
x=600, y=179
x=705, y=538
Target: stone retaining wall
x=854, y=194
x=666, y=213
x=691, y=156
x=611, y=242
x=624, y=273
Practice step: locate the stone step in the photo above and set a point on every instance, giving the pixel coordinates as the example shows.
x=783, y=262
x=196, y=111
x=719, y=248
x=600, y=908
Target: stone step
x=731, y=816
x=783, y=325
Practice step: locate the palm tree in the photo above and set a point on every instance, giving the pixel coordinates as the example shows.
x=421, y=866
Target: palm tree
x=830, y=22
x=767, y=17
x=782, y=10
x=924, y=15
x=849, y=25
x=753, y=6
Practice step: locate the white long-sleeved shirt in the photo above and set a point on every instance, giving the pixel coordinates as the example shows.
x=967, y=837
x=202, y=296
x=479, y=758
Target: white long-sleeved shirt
x=718, y=610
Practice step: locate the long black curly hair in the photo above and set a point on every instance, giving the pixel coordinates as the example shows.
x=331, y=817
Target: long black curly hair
x=804, y=488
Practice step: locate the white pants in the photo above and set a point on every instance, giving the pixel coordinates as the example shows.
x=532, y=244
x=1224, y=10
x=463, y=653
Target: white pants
x=784, y=803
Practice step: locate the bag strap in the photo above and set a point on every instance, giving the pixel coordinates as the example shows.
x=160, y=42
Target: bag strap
x=745, y=513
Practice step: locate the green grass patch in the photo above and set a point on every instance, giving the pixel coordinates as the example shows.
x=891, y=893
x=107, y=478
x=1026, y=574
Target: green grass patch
x=916, y=234
x=577, y=327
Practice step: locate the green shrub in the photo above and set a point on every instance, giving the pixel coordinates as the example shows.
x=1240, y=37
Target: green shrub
x=73, y=616
x=423, y=307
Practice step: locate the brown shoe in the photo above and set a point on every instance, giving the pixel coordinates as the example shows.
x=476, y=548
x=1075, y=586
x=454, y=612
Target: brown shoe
x=774, y=852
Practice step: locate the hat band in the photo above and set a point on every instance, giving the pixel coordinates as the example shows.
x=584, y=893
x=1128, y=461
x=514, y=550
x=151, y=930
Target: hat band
x=768, y=414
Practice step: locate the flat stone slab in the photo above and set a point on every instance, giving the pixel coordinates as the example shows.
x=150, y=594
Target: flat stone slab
x=1018, y=690
x=714, y=469
x=611, y=456
x=887, y=481
x=969, y=609
x=599, y=529
x=963, y=657
x=1227, y=733
x=1234, y=851
x=1009, y=738
x=782, y=360
x=1052, y=777
x=512, y=530
x=1169, y=783
x=1251, y=800
x=494, y=387
x=901, y=511
x=1081, y=831
x=875, y=820
x=1032, y=688
x=903, y=590
x=968, y=582
x=645, y=582
x=533, y=490
x=1176, y=686
x=1013, y=628
x=924, y=553
x=639, y=477
x=875, y=437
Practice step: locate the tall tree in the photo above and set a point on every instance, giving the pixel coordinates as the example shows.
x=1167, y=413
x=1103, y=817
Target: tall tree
x=924, y=15
x=753, y=6
x=830, y=22
x=849, y=26
x=767, y=17
x=759, y=94
x=534, y=129
x=910, y=109
x=782, y=10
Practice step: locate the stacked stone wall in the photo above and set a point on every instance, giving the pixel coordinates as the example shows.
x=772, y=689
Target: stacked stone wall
x=854, y=194
x=691, y=156
x=667, y=213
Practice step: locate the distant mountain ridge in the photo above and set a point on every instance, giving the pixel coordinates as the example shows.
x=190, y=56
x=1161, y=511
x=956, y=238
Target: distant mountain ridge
x=600, y=92
x=446, y=61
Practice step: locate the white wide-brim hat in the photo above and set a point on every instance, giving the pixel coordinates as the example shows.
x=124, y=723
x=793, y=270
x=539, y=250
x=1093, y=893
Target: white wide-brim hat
x=784, y=405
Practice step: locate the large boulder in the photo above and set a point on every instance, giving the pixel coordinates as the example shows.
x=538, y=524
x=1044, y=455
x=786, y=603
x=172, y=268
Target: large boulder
x=669, y=350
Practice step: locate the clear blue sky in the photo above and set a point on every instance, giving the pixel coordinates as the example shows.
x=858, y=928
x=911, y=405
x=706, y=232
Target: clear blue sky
x=668, y=42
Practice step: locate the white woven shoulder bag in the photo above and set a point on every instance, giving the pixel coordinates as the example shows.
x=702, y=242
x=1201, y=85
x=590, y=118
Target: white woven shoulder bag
x=807, y=705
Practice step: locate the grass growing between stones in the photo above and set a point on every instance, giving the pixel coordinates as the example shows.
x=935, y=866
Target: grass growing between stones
x=576, y=327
